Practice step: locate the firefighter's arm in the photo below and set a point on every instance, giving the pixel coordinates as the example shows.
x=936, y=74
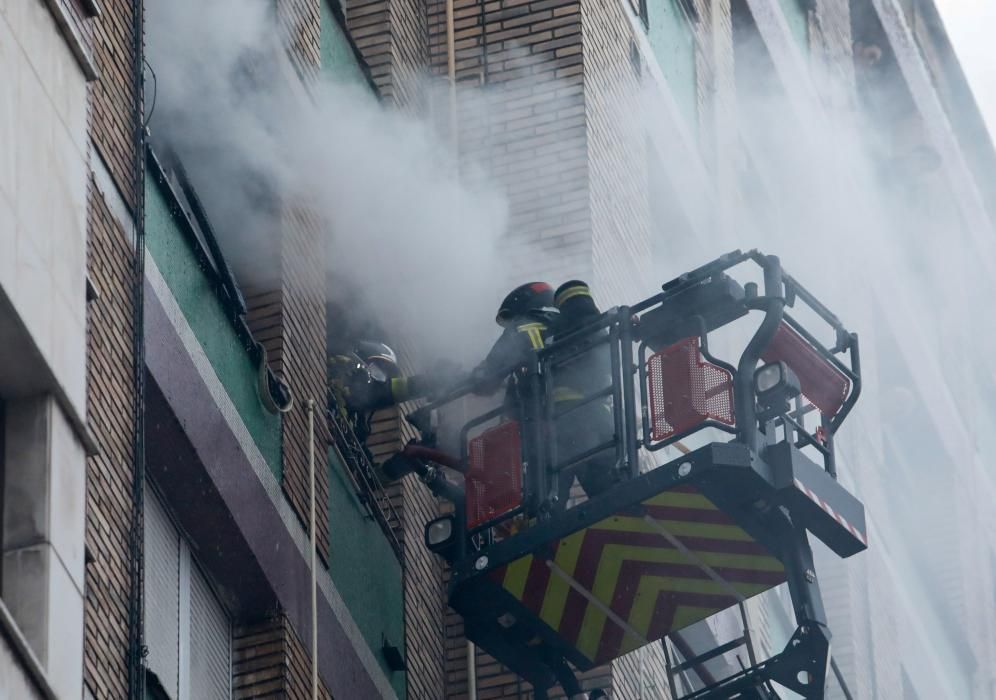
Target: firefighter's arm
x=509, y=351
x=408, y=388
x=366, y=395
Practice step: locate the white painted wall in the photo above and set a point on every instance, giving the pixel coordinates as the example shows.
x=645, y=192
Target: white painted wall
x=43, y=177
x=14, y=681
x=43, y=189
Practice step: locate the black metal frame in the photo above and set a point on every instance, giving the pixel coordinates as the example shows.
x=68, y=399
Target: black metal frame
x=781, y=523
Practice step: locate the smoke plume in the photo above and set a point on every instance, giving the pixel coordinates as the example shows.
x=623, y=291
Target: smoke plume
x=412, y=245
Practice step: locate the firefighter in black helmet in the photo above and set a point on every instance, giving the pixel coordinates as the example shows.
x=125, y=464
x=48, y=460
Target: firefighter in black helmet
x=590, y=424
x=528, y=317
x=532, y=315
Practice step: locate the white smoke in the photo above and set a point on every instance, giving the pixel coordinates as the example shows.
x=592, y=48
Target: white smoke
x=970, y=24
x=861, y=211
x=859, y=204
x=412, y=245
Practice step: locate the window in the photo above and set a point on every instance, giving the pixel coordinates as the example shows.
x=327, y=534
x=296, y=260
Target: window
x=187, y=631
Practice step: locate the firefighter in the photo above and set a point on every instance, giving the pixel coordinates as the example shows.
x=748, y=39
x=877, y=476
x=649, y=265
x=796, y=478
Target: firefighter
x=528, y=317
x=531, y=316
x=583, y=426
x=366, y=379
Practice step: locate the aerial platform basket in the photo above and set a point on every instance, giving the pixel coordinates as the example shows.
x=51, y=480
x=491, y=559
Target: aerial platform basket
x=549, y=587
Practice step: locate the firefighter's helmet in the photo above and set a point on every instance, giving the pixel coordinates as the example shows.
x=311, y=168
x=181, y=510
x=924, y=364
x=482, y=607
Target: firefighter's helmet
x=379, y=358
x=574, y=301
x=528, y=297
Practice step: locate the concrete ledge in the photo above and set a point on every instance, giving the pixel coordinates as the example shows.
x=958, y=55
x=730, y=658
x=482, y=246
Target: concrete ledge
x=252, y=496
x=73, y=39
x=29, y=662
x=33, y=375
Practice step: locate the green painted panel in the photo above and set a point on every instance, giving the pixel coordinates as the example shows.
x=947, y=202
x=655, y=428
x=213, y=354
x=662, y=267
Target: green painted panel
x=796, y=16
x=338, y=61
x=673, y=44
x=173, y=252
x=365, y=570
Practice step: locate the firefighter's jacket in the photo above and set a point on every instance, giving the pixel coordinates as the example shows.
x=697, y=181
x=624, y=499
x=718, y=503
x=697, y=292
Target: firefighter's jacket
x=523, y=336
x=588, y=372
x=355, y=394
x=530, y=333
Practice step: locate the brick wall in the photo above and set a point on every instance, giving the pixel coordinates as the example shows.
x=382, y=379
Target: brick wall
x=424, y=588
x=301, y=19
x=270, y=661
x=109, y=473
x=620, y=214
x=391, y=37
x=526, y=127
x=287, y=315
x=110, y=386
x=303, y=361
x=617, y=154
x=113, y=94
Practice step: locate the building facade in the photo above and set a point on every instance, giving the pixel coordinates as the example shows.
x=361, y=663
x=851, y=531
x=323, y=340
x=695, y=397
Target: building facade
x=168, y=307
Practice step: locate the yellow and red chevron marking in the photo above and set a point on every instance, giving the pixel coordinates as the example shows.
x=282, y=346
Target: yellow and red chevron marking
x=630, y=567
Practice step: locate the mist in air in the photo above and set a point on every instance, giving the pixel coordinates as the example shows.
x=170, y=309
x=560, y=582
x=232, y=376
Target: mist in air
x=412, y=246
x=836, y=175
x=857, y=198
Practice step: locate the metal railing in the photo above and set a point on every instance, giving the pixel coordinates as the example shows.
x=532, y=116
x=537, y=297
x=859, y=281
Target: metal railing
x=362, y=473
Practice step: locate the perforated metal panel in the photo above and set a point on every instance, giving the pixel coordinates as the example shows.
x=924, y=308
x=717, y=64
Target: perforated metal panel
x=686, y=390
x=162, y=594
x=494, y=476
x=210, y=642
x=822, y=384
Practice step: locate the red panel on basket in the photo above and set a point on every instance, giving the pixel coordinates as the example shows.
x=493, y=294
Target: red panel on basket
x=686, y=390
x=494, y=476
x=822, y=384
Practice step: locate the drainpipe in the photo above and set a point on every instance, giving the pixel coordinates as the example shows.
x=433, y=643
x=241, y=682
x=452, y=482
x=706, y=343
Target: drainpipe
x=136, y=544
x=314, y=547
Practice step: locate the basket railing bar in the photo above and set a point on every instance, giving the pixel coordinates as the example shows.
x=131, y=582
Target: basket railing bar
x=819, y=347
x=709, y=423
x=629, y=433
x=852, y=398
x=744, y=406
x=813, y=303
x=584, y=456
x=581, y=403
x=644, y=394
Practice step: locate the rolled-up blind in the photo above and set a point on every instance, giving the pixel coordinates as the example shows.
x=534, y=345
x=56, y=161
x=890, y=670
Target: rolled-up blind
x=210, y=642
x=162, y=595
x=187, y=630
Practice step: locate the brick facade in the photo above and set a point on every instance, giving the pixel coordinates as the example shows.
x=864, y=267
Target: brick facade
x=424, y=590
x=301, y=19
x=288, y=315
x=110, y=362
x=109, y=473
x=270, y=661
x=526, y=128
x=391, y=37
x=543, y=90
x=113, y=96
x=617, y=155
x=302, y=359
